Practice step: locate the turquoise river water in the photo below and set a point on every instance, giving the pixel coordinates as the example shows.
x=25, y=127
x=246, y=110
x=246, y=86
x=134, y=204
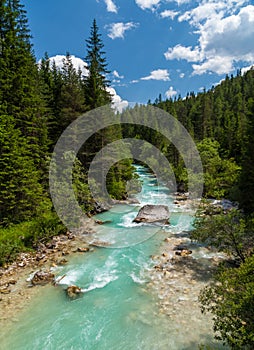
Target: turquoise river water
x=117, y=310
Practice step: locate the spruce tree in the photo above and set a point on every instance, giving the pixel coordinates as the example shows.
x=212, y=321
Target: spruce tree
x=22, y=120
x=96, y=83
x=72, y=101
x=20, y=190
x=20, y=96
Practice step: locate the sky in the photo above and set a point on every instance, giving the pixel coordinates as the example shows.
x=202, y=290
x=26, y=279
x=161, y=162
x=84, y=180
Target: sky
x=167, y=47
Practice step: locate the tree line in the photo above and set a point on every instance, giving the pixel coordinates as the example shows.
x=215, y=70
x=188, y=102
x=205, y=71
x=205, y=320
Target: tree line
x=37, y=103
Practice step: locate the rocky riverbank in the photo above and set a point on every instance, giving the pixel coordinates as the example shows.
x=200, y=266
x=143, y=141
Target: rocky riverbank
x=16, y=284
x=179, y=273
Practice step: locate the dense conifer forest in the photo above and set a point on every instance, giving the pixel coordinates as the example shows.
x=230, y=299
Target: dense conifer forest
x=37, y=103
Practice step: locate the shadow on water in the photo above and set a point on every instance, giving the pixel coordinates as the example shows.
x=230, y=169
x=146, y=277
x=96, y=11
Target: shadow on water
x=206, y=343
x=198, y=269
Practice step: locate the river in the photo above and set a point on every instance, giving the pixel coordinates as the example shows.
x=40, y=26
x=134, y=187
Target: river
x=121, y=306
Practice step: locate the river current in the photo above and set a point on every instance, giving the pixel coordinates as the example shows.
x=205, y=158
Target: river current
x=118, y=310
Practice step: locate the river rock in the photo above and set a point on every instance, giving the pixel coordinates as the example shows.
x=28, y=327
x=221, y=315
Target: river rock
x=184, y=252
x=73, y=291
x=100, y=222
x=83, y=249
x=5, y=289
x=100, y=243
x=42, y=277
x=153, y=213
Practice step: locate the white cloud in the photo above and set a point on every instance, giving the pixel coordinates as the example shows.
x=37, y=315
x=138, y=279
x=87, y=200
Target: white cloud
x=158, y=74
x=226, y=31
x=182, y=75
x=181, y=52
x=117, y=75
x=117, y=102
x=203, y=12
x=171, y=92
x=169, y=13
x=246, y=69
x=117, y=30
x=111, y=7
x=219, y=65
x=147, y=4
x=77, y=62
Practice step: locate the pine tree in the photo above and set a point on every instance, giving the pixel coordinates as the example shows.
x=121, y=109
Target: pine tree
x=20, y=96
x=22, y=121
x=96, y=83
x=71, y=98
x=20, y=190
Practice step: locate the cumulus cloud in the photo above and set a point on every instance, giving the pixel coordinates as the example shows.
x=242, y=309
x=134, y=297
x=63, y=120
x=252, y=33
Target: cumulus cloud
x=77, y=62
x=111, y=7
x=181, y=52
x=226, y=31
x=158, y=74
x=246, y=69
x=117, y=30
x=219, y=65
x=203, y=12
x=117, y=103
x=171, y=92
x=147, y=4
x=169, y=13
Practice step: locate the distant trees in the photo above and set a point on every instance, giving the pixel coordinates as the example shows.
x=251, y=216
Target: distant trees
x=224, y=114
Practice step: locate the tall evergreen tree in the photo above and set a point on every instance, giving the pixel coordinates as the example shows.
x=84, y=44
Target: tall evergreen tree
x=96, y=83
x=20, y=96
x=22, y=120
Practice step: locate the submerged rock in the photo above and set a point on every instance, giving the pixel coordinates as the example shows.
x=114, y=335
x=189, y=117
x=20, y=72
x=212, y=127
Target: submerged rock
x=100, y=222
x=153, y=213
x=73, y=291
x=100, y=243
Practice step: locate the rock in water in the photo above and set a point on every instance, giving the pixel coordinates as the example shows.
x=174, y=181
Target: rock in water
x=42, y=277
x=153, y=213
x=73, y=291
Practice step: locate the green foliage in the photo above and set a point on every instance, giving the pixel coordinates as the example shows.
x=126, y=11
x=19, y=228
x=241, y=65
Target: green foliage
x=220, y=175
x=95, y=83
x=246, y=197
x=230, y=299
x=224, y=115
x=26, y=235
x=227, y=231
x=21, y=192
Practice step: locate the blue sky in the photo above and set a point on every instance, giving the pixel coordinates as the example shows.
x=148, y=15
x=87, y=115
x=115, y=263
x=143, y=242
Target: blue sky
x=152, y=46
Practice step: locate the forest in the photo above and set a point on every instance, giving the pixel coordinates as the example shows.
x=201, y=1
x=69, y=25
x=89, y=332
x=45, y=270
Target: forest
x=39, y=100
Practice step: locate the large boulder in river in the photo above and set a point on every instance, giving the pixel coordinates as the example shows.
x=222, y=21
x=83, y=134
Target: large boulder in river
x=153, y=213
